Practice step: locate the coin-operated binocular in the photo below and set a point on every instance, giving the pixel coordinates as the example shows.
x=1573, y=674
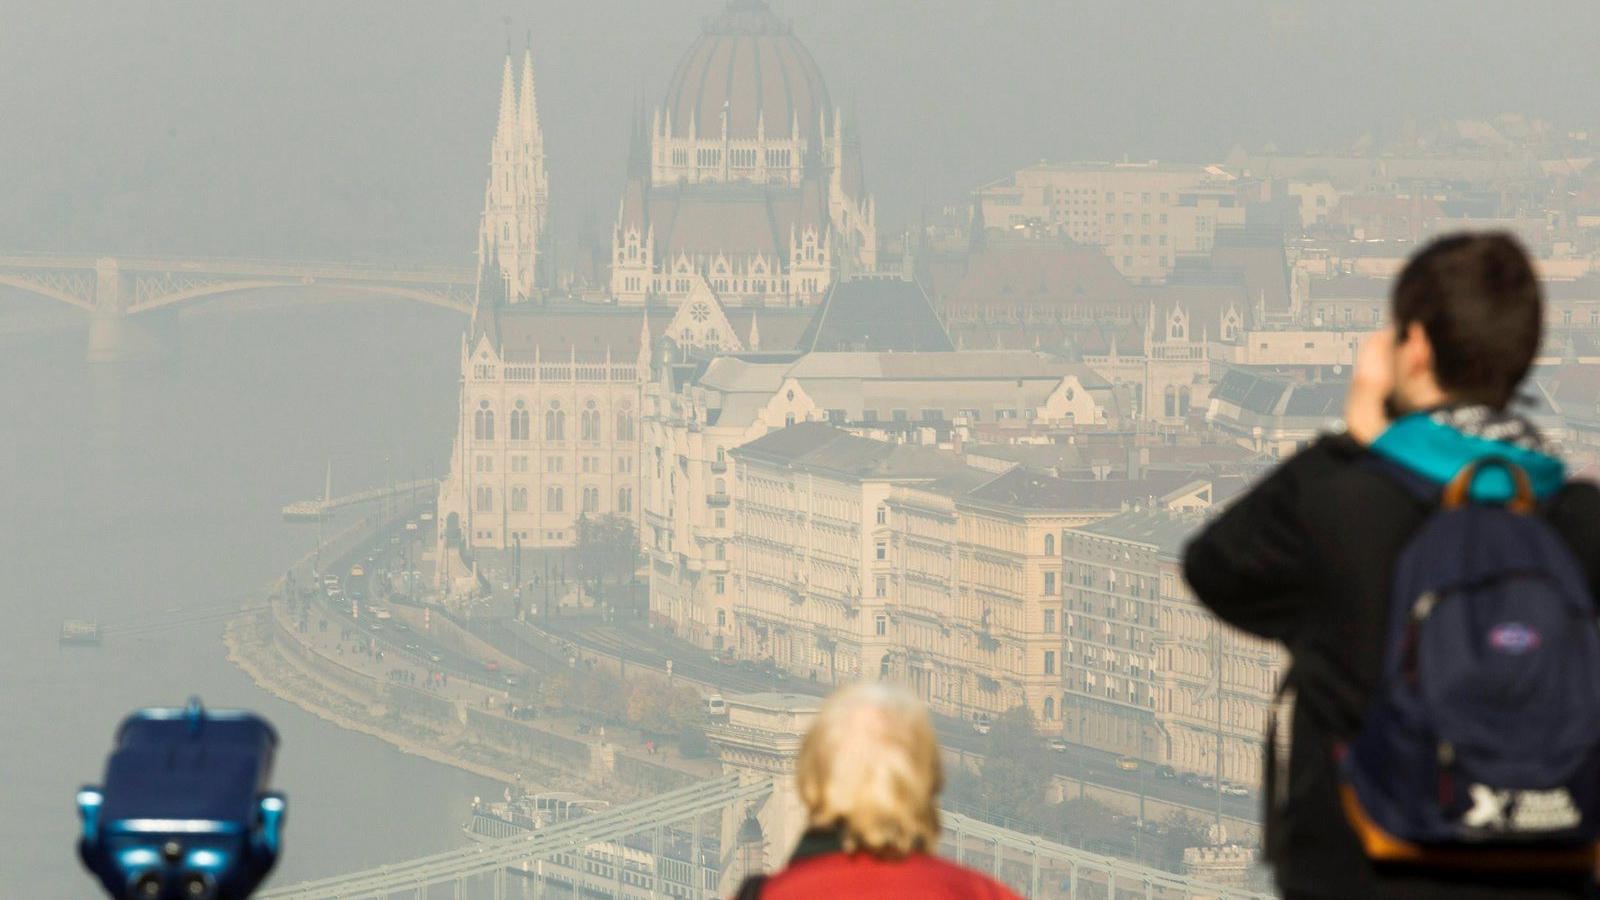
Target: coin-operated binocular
x=184, y=811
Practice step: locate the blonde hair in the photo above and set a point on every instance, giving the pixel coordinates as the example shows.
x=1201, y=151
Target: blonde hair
x=869, y=766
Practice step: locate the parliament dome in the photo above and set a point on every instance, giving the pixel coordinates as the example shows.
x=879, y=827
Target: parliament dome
x=748, y=62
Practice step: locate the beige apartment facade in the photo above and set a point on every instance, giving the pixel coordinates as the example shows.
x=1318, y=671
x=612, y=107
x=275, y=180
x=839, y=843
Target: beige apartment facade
x=1143, y=216
x=858, y=559
x=1143, y=659
x=975, y=588
x=696, y=415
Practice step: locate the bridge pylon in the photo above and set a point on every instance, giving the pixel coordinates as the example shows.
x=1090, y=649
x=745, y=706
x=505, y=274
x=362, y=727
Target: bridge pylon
x=115, y=336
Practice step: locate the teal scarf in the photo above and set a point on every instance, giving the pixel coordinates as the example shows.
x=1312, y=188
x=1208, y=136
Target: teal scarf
x=1436, y=444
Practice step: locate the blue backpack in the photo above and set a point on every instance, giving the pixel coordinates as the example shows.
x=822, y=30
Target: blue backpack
x=1481, y=747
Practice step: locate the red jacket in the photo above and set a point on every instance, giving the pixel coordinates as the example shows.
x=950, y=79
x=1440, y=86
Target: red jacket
x=843, y=876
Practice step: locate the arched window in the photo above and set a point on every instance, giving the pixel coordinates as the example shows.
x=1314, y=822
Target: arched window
x=624, y=425
x=519, y=499
x=591, y=499
x=485, y=498
x=883, y=667
x=1049, y=709
x=719, y=486
x=1171, y=395
x=553, y=499
x=589, y=423
x=1183, y=401
x=519, y=422
x=555, y=422
x=483, y=422
x=1049, y=545
x=624, y=500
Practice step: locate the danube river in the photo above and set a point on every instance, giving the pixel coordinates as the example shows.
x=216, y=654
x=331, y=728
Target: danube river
x=131, y=493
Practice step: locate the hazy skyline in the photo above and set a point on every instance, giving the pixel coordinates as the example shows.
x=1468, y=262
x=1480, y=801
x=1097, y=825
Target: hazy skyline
x=360, y=130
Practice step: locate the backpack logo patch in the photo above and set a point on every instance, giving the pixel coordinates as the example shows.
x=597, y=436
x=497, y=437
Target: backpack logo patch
x=1509, y=810
x=1513, y=638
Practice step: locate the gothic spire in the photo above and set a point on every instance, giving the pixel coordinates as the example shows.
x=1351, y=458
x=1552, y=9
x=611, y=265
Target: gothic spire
x=527, y=100
x=506, y=127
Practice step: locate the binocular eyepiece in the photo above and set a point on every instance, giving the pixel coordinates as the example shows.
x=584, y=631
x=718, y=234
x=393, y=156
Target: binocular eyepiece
x=184, y=813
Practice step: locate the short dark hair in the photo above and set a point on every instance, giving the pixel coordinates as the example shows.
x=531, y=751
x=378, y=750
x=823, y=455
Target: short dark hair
x=1477, y=298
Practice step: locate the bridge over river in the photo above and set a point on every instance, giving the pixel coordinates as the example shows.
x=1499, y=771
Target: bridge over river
x=129, y=300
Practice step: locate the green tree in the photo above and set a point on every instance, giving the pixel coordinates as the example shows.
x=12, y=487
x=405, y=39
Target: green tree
x=607, y=550
x=1014, y=779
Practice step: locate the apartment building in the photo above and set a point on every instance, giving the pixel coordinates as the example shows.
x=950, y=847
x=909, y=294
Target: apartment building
x=699, y=410
x=1146, y=671
x=1143, y=216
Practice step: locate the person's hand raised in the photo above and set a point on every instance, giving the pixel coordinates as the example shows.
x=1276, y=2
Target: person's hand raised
x=1371, y=381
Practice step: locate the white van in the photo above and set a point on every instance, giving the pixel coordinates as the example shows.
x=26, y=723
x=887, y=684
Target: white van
x=716, y=707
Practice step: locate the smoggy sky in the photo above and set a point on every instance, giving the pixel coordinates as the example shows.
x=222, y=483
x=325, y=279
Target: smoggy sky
x=360, y=130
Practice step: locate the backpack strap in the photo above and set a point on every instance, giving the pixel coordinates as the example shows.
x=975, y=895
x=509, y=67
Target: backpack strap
x=1458, y=490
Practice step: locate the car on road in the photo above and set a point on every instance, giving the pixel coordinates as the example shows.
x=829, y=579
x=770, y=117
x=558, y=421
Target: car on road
x=511, y=680
x=435, y=658
x=492, y=666
x=982, y=724
x=1059, y=745
x=1235, y=790
x=1167, y=772
x=716, y=707
x=374, y=626
x=413, y=646
x=1127, y=764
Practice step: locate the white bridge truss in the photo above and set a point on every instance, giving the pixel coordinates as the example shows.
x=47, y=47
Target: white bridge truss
x=589, y=857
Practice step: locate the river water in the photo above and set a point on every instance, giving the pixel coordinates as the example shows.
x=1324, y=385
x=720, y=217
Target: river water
x=127, y=493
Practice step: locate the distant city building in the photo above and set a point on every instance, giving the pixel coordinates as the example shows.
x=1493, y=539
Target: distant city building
x=1143, y=216
x=1141, y=659
x=745, y=177
x=896, y=382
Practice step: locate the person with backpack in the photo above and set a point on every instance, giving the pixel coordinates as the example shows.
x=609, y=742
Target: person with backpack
x=1432, y=574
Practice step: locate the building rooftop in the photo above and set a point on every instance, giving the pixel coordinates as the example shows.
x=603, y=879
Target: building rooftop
x=821, y=447
x=1262, y=395
x=1160, y=529
x=875, y=314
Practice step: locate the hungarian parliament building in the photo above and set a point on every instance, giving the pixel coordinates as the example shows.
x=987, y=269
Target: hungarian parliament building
x=749, y=352
x=742, y=203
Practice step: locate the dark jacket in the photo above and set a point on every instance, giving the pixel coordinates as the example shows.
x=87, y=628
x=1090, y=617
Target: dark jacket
x=1306, y=558
x=821, y=868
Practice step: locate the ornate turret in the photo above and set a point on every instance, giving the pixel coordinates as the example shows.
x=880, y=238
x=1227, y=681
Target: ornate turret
x=516, y=197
